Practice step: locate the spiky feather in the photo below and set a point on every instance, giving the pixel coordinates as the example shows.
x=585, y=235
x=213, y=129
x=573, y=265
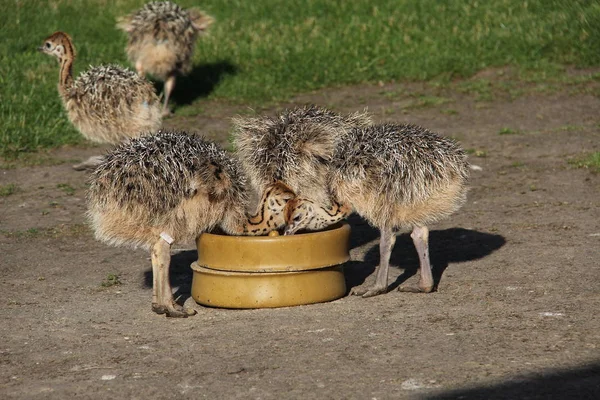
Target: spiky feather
x=399, y=175
x=158, y=171
x=149, y=179
x=295, y=146
x=109, y=104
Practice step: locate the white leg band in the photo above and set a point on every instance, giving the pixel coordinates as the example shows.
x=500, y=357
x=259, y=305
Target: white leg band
x=167, y=238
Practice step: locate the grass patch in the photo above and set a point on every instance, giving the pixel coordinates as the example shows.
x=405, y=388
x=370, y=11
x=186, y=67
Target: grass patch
x=111, y=280
x=591, y=162
x=7, y=190
x=508, y=131
x=269, y=50
x=423, y=101
x=482, y=88
x=66, y=188
x=449, y=111
x=32, y=159
x=571, y=128
x=477, y=152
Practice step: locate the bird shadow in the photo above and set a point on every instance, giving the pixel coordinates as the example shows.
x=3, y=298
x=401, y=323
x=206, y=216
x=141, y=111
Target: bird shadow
x=200, y=82
x=446, y=246
x=180, y=275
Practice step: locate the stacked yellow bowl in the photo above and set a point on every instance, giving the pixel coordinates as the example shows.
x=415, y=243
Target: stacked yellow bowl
x=271, y=271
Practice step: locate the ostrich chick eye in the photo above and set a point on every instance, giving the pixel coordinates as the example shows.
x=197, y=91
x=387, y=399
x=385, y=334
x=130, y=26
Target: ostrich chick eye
x=48, y=45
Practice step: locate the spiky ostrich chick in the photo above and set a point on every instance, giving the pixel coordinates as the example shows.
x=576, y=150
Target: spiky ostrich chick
x=167, y=188
x=396, y=177
x=107, y=103
x=295, y=147
x=161, y=40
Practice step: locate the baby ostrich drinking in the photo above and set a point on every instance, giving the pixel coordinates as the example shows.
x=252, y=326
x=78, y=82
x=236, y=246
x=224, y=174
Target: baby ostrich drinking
x=396, y=177
x=168, y=188
x=161, y=40
x=107, y=104
x=295, y=147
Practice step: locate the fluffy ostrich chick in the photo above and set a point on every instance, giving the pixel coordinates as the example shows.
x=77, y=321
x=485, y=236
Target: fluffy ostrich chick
x=296, y=147
x=161, y=40
x=107, y=103
x=396, y=177
x=167, y=188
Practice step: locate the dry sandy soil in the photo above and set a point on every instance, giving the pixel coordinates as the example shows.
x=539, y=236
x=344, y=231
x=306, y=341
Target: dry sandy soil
x=515, y=314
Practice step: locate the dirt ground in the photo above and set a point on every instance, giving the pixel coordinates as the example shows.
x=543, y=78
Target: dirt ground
x=515, y=314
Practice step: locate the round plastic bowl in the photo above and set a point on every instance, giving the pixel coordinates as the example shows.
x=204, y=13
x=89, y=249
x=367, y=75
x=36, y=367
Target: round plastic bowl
x=270, y=271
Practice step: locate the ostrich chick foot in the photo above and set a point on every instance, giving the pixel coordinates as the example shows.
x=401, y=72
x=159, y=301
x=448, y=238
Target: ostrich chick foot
x=368, y=291
x=420, y=237
x=173, y=310
x=418, y=288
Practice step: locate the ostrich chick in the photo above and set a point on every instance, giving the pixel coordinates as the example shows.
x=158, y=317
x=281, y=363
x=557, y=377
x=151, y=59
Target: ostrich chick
x=295, y=147
x=107, y=104
x=396, y=177
x=161, y=40
x=168, y=188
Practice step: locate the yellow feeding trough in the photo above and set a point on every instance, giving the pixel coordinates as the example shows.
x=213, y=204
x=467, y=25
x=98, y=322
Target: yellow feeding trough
x=270, y=271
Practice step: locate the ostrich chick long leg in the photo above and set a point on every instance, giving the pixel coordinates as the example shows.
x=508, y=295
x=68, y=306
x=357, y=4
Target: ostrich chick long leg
x=169, y=85
x=162, y=297
x=386, y=244
x=420, y=237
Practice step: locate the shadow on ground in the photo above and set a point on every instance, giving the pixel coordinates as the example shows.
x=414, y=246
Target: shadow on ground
x=446, y=246
x=200, y=82
x=572, y=383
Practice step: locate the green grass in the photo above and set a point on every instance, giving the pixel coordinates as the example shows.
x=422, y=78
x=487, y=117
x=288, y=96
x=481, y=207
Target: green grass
x=571, y=128
x=477, y=152
x=423, y=101
x=482, y=88
x=508, y=131
x=268, y=50
x=111, y=280
x=8, y=189
x=449, y=111
x=66, y=188
x=591, y=162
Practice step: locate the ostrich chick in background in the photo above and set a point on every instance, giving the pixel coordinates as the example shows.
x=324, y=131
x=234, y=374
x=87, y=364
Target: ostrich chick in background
x=107, y=104
x=161, y=40
x=396, y=177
